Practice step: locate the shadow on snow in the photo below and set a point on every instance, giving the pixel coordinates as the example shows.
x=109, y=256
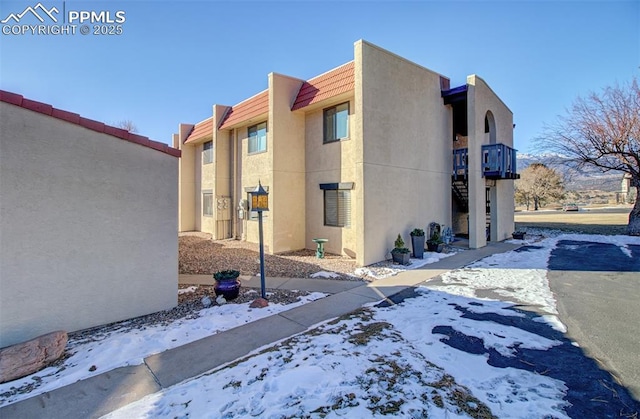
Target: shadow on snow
x=591, y=391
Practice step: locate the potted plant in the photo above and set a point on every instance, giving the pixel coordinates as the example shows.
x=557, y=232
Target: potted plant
x=400, y=254
x=434, y=244
x=518, y=235
x=227, y=283
x=417, y=242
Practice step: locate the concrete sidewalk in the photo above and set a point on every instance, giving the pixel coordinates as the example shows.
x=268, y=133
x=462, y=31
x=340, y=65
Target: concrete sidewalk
x=101, y=394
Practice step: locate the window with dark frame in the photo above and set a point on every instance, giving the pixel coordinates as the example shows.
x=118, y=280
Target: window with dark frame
x=336, y=123
x=337, y=204
x=207, y=152
x=207, y=204
x=258, y=138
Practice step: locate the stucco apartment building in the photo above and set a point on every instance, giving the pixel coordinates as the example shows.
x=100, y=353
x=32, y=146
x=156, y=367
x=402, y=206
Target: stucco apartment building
x=375, y=147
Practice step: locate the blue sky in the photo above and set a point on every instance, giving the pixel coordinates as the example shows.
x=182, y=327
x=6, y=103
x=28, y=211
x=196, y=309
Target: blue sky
x=175, y=59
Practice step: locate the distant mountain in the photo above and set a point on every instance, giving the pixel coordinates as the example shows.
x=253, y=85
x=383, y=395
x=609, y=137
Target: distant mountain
x=587, y=178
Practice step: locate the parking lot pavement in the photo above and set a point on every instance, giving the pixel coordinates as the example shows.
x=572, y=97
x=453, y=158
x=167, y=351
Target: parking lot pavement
x=597, y=287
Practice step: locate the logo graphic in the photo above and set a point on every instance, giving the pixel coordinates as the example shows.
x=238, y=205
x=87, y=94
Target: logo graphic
x=41, y=20
x=34, y=11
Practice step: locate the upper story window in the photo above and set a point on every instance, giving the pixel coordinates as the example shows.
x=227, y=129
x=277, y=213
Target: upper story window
x=336, y=123
x=258, y=138
x=207, y=152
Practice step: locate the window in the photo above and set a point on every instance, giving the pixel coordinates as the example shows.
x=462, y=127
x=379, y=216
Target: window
x=336, y=123
x=258, y=138
x=337, y=204
x=207, y=152
x=207, y=204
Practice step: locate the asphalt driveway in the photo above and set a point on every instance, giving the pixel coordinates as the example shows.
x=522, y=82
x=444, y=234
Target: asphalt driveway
x=597, y=287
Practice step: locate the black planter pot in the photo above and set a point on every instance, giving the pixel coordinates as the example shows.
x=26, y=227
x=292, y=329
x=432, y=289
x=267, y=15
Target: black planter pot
x=417, y=243
x=434, y=247
x=227, y=284
x=400, y=258
x=519, y=235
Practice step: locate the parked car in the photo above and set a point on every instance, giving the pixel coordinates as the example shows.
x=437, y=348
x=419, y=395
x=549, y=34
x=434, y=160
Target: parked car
x=570, y=207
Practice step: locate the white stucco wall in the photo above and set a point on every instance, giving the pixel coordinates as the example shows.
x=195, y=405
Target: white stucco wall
x=406, y=142
x=88, y=227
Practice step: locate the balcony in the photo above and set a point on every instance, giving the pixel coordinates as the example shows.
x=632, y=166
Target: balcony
x=498, y=162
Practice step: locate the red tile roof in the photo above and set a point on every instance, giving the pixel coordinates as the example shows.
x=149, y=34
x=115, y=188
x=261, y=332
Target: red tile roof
x=247, y=109
x=325, y=86
x=74, y=118
x=200, y=131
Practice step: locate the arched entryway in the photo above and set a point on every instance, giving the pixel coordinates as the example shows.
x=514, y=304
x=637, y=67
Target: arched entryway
x=490, y=127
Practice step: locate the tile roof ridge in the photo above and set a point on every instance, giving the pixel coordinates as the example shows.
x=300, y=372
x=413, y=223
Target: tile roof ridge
x=249, y=98
x=203, y=121
x=74, y=118
x=329, y=71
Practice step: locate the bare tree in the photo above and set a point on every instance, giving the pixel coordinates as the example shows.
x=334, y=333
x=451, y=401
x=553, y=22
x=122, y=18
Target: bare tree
x=538, y=184
x=602, y=130
x=128, y=125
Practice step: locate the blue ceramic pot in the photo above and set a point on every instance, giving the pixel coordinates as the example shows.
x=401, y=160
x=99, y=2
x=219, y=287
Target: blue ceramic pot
x=227, y=284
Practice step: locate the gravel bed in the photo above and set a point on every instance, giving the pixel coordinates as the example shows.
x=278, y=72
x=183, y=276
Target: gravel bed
x=198, y=254
x=189, y=306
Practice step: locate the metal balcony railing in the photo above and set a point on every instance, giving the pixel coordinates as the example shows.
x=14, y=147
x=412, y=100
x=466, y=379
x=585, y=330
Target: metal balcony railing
x=460, y=163
x=499, y=162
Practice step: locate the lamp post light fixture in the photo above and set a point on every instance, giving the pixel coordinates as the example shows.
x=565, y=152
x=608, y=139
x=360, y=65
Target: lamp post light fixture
x=259, y=203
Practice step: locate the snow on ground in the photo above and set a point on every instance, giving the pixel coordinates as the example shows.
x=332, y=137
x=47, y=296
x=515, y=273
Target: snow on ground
x=519, y=276
x=397, y=360
x=129, y=346
x=324, y=274
x=187, y=290
x=390, y=360
x=376, y=362
x=385, y=270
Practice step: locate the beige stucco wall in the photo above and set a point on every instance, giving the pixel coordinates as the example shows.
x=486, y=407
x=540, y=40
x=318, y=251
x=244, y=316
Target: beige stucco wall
x=480, y=99
x=287, y=194
x=187, y=185
x=88, y=227
x=406, y=144
x=208, y=184
x=330, y=163
x=256, y=167
x=222, y=176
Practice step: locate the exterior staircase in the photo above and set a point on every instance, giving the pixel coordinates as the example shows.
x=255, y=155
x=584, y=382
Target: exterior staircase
x=460, y=189
x=498, y=162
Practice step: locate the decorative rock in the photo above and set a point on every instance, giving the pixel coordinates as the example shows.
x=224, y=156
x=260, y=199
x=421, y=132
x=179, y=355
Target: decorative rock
x=221, y=300
x=206, y=301
x=28, y=357
x=259, y=303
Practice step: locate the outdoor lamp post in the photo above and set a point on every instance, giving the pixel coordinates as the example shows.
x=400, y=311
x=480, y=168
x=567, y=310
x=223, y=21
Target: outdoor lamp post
x=260, y=202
